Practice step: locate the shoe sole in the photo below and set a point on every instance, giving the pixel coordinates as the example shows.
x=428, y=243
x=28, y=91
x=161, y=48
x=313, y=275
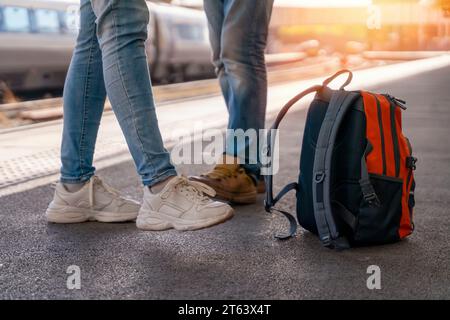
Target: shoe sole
x=155, y=221
x=237, y=198
x=76, y=215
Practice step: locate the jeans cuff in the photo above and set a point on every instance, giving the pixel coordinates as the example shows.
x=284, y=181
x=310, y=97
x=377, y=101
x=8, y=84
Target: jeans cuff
x=161, y=177
x=82, y=179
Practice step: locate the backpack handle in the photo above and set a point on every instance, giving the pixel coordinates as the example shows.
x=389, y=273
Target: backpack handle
x=337, y=74
x=293, y=101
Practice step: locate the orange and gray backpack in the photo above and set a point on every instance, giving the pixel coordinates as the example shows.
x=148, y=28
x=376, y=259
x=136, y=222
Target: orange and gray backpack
x=356, y=183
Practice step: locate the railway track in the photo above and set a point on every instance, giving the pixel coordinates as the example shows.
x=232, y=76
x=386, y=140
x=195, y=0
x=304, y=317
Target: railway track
x=291, y=68
x=49, y=109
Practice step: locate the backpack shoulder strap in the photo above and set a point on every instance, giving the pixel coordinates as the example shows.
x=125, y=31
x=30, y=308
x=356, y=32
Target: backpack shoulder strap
x=270, y=201
x=340, y=102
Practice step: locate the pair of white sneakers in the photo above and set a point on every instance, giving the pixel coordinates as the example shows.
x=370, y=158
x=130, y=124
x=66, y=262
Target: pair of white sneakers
x=182, y=204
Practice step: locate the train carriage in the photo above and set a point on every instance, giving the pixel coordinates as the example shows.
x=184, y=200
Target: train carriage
x=37, y=39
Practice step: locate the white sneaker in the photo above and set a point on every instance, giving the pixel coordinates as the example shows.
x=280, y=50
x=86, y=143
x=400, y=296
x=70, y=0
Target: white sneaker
x=182, y=204
x=95, y=201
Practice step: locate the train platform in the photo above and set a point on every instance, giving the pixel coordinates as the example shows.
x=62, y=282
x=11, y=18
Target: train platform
x=240, y=258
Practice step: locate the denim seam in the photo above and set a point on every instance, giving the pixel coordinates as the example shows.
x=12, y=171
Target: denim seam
x=141, y=145
x=83, y=124
x=253, y=43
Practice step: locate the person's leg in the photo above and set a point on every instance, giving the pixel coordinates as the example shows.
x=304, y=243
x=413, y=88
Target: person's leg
x=238, y=35
x=242, y=54
x=84, y=98
x=122, y=31
x=180, y=204
x=80, y=196
x=216, y=14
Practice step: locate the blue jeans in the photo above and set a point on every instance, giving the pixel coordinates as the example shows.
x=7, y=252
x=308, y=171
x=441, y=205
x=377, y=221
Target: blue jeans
x=110, y=60
x=238, y=33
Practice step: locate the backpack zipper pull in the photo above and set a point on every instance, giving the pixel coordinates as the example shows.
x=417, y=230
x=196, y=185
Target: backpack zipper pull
x=399, y=102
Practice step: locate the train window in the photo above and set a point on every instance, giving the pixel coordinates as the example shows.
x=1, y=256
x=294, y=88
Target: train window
x=47, y=21
x=1, y=19
x=190, y=32
x=16, y=19
x=71, y=21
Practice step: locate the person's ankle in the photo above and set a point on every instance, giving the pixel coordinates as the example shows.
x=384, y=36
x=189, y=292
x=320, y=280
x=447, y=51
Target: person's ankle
x=73, y=187
x=158, y=187
x=228, y=159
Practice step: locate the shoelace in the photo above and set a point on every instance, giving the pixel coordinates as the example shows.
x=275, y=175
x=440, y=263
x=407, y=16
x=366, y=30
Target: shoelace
x=97, y=181
x=224, y=171
x=199, y=191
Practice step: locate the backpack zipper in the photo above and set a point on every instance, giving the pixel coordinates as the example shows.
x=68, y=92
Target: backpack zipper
x=398, y=102
x=380, y=124
x=394, y=134
x=408, y=181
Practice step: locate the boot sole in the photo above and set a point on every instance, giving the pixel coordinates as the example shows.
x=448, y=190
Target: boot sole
x=233, y=197
x=236, y=198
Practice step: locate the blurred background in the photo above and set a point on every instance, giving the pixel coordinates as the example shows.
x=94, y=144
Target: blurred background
x=37, y=39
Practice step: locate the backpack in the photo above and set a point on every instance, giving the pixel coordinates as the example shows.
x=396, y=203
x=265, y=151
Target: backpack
x=356, y=182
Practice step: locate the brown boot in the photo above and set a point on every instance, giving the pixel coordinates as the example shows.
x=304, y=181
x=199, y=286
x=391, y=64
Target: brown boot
x=231, y=183
x=261, y=186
